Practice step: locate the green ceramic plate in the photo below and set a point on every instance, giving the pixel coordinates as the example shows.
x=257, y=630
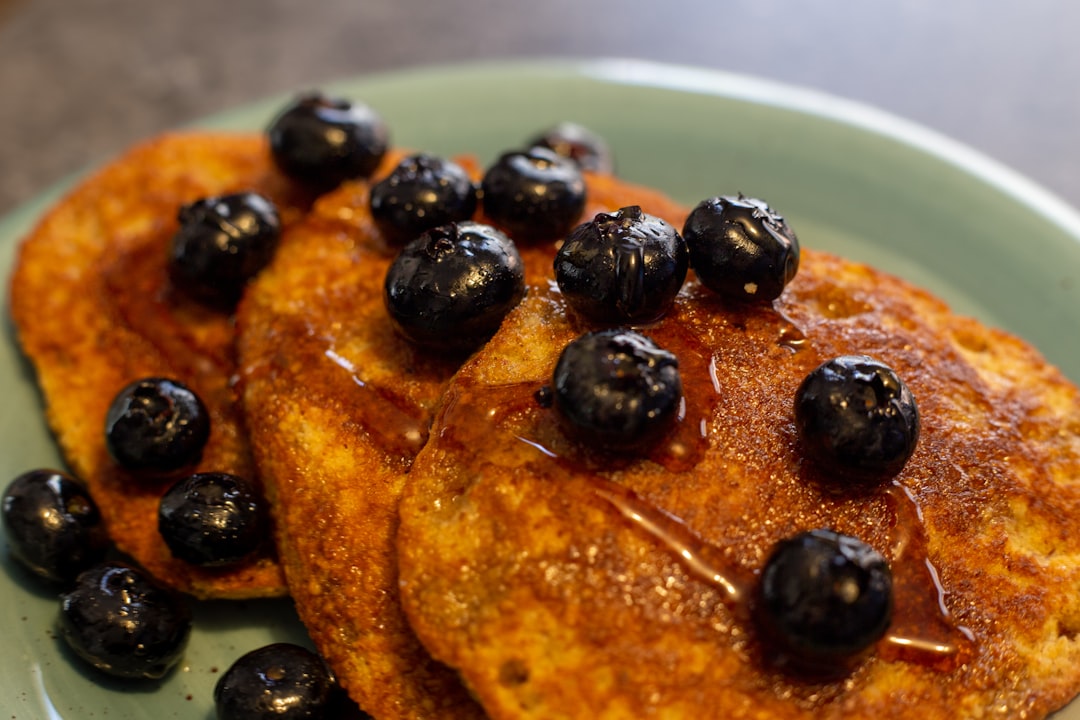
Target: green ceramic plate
x=849, y=179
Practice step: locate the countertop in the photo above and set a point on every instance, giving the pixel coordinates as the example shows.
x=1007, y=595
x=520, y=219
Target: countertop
x=79, y=81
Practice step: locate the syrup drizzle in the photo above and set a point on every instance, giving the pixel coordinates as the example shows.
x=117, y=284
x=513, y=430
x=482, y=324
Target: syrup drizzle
x=791, y=335
x=399, y=425
x=923, y=629
x=713, y=376
x=922, y=632
x=698, y=556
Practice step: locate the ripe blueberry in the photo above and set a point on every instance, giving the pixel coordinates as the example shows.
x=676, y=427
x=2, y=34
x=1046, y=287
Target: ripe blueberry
x=321, y=141
x=422, y=192
x=52, y=525
x=124, y=623
x=156, y=426
x=580, y=144
x=221, y=244
x=451, y=287
x=213, y=519
x=740, y=248
x=622, y=268
x=616, y=388
x=282, y=681
x=824, y=597
x=534, y=194
x=856, y=418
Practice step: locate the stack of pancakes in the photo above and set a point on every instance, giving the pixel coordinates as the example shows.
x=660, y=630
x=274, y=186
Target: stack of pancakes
x=455, y=553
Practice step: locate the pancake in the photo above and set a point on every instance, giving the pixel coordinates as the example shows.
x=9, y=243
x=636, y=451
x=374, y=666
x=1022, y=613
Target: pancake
x=338, y=405
x=93, y=310
x=565, y=582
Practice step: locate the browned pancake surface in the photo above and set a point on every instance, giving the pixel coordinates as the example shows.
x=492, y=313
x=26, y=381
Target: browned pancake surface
x=93, y=310
x=565, y=583
x=338, y=405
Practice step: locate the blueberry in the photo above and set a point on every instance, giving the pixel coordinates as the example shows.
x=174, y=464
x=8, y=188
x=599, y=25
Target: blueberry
x=740, y=248
x=856, y=418
x=281, y=681
x=451, y=287
x=616, y=389
x=622, y=268
x=124, y=623
x=213, y=519
x=52, y=525
x=321, y=141
x=534, y=194
x=156, y=426
x=824, y=598
x=422, y=192
x=580, y=144
x=221, y=244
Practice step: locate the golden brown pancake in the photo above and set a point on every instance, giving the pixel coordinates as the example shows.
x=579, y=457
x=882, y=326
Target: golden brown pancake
x=565, y=582
x=338, y=404
x=94, y=311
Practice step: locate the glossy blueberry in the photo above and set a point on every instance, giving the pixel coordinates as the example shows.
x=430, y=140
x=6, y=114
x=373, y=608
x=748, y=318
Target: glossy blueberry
x=421, y=193
x=534, y=194
x=451, y=287
x=221, y=244
x=52, y=525
x=577, y=142
x=740, y=248
x=281, y=681
x=824, y=597
x=616, y=389
x=122, y=622
x=321, y=141
x=213, y=519
x=856, y=418
x=156, y=426
x=622, y=268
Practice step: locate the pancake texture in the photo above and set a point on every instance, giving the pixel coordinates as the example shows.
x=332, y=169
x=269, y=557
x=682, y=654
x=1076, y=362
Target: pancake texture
x=94, y=310
x=565, y=582
x=338, y=404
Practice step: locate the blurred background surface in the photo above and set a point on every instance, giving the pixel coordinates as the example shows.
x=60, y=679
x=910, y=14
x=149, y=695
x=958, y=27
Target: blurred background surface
x=82, y=79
